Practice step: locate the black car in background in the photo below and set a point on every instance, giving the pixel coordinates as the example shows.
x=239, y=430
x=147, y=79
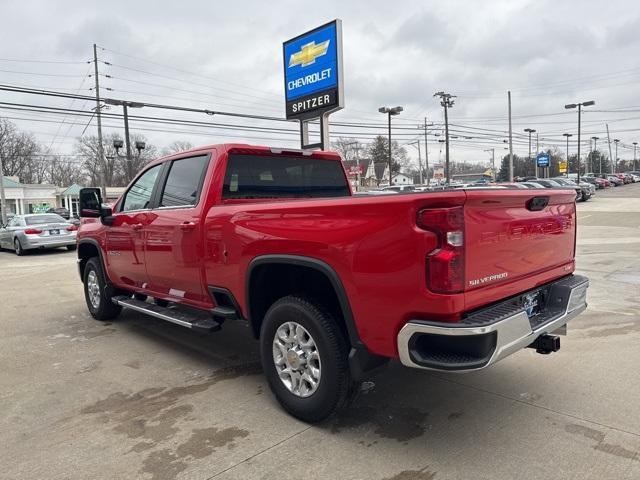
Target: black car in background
x=63, y=212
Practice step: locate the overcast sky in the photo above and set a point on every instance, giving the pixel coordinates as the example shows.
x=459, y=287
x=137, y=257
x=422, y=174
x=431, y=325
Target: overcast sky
x=228, y=56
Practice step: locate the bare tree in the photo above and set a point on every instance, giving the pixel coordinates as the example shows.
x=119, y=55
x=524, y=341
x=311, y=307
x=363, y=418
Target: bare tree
x=115, y=170
x=64, y=172
x=18, y=151
x=98, y=170
x=348, y=148
x=176, y=147
x=129, y=170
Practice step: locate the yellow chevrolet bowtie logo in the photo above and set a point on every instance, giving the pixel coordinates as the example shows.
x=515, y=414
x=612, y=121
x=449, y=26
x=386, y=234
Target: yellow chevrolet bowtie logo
x=308, y=54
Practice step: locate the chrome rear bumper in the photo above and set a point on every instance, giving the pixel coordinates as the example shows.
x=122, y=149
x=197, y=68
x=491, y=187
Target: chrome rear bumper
x=493, y=333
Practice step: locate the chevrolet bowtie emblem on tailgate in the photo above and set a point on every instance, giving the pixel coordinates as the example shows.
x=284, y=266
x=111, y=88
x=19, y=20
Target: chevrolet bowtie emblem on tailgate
x=308, y=54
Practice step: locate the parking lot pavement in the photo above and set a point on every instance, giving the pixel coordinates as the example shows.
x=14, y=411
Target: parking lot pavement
x=139, y=398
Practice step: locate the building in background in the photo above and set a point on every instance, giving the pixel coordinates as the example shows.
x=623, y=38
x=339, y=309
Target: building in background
x=23, y=198
x=28, y=198
x=402, y=179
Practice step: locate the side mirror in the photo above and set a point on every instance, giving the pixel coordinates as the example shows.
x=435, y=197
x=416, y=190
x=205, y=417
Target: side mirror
x=91, y=206
x=90, y=203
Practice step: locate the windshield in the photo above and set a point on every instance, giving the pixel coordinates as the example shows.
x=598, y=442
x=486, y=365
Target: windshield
x=42, y=219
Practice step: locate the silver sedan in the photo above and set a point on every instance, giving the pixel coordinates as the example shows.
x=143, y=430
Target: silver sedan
x=37, y=230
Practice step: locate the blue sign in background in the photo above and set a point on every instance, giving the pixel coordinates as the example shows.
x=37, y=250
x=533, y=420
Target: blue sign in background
x=543, y=160
x=320, y=75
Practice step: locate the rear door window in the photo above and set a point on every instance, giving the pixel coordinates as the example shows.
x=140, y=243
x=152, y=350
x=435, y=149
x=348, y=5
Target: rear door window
x=184, y=182
x=251, y=176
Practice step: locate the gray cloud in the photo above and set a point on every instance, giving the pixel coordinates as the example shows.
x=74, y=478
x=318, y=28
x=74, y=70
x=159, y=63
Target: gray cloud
x=547, y=52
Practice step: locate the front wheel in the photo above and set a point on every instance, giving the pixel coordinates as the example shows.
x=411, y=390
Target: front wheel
x=304, y=357
x=96, y=292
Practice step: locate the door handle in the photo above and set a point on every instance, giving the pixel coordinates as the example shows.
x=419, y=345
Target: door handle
x=136, y=226
x=187, y=225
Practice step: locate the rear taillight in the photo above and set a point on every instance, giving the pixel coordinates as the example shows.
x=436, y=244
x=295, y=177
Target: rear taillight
x=72, y=228
x=33, y=231
x=445, y=264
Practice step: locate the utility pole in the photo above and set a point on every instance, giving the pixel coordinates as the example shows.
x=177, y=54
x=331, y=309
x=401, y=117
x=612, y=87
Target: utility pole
x=635, y=168
x=446, y=100
x=493, y=163
x=510, y=140
x=616, y=141
x=3, y=199
x=595, y=149
x=101, y=160
x=426, y=151
x=609, y=142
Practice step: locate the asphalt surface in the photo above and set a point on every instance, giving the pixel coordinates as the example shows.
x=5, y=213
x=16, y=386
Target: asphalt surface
x=140, y=398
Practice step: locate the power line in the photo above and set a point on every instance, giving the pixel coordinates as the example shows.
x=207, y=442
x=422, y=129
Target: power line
x=40, y=74
x=16, y=60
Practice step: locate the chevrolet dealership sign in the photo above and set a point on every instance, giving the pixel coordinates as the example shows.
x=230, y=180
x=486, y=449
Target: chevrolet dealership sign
x=313, y=72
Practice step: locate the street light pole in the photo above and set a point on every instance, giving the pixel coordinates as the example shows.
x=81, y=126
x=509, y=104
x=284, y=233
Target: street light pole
x=634, y=156
x=595, y=149
x=389, y=112
x=530, y=131
x=125, y=105
x=567, y=135
x=616, y=141
x=446, y=100
x=579, y=105
x=127, y=141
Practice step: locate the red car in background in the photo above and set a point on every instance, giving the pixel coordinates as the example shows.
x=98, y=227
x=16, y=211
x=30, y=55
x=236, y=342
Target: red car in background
x=600, y=183
x=625, y=178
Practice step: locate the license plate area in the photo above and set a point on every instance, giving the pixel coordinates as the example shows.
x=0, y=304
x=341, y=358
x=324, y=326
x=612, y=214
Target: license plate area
x=55, y=231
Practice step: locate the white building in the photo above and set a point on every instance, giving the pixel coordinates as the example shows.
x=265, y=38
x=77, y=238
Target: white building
x=25, y=198
x=401, y=179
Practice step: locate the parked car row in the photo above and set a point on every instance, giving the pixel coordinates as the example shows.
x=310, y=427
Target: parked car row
x=589, y=184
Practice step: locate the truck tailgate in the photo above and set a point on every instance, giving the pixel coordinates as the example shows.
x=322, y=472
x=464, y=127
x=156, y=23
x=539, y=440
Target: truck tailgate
x=514, y=236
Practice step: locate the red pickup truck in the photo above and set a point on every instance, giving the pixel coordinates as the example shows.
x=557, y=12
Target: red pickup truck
x=332, y=284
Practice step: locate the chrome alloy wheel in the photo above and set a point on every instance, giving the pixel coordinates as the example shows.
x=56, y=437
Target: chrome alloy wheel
x=93, y=289
x=297, y=359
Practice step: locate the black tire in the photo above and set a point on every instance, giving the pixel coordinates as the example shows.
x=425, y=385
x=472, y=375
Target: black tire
x=17, y=247
x=71, y=248
x=105, y=309
x=335, y=382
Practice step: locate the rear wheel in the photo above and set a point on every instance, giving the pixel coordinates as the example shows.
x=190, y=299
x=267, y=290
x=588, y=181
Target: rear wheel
x=97, y=293
x=304, y=357
x=17, y=246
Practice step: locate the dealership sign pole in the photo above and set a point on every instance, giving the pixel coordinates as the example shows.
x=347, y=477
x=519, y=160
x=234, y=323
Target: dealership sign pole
x=313, y=79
